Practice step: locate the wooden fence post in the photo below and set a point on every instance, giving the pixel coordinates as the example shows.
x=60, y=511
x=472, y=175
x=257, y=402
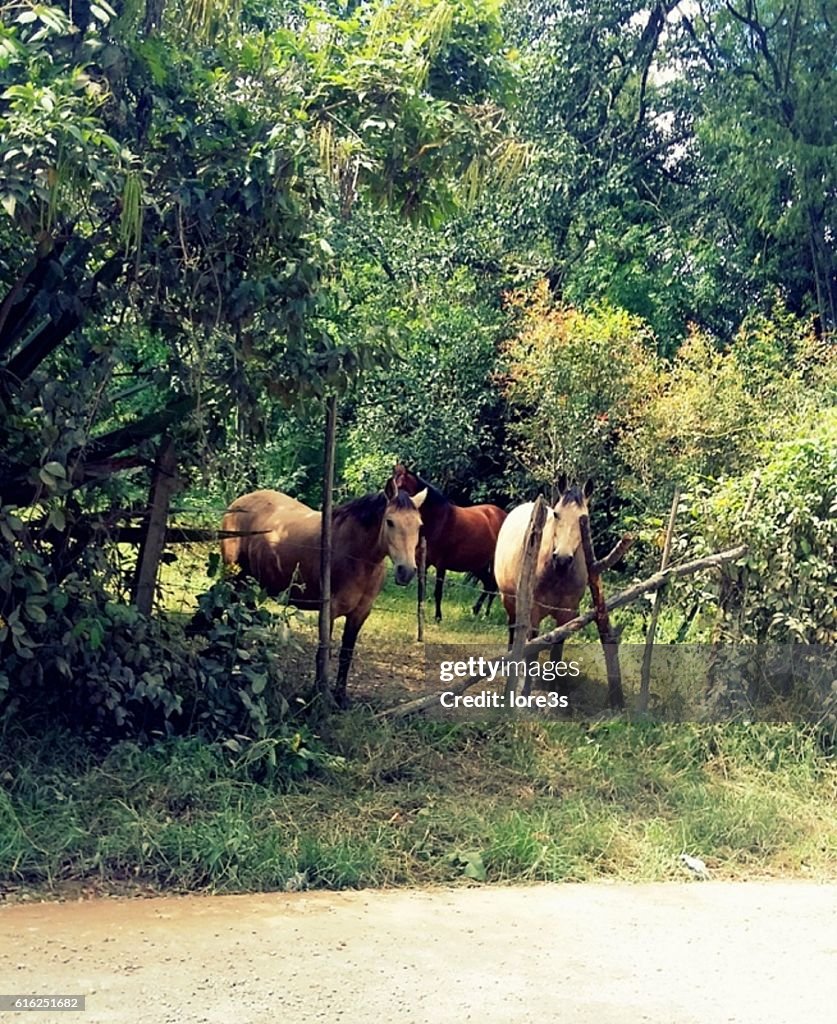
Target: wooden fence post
x=422, y=586
x=321, y=683
x=645, y=677
x=615, y=696
x=525, y=585
x=163, y=483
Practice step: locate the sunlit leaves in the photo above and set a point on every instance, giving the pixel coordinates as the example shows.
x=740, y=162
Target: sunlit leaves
x=791, y=528
x=710, y=411
x=572, y=380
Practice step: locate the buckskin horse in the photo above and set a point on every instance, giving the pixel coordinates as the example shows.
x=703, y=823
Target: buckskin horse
x=561, y=571
x=284, y=555
x=459, y=539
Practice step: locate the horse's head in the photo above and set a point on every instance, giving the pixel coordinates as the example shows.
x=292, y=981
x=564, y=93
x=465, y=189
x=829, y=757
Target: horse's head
x=405, y=480
x=566, y=532
x=400, y=529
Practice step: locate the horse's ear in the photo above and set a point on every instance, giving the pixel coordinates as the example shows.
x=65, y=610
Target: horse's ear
x=391, y=489
x=561, y=484
x=418, y=499
x=588, y=489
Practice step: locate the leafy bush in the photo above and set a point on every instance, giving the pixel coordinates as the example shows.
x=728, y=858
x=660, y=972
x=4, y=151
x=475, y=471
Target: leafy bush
x=786, y=589
x=572, y=380
x=711, y=412
x=72, y=653
x=241, y=681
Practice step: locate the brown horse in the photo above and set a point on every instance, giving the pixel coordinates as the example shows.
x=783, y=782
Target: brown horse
x=285, y=556
x=561, y=571
x=459, y=539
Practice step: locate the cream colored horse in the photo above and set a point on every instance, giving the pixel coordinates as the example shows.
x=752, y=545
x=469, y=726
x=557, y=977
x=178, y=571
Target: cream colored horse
x=561, y=571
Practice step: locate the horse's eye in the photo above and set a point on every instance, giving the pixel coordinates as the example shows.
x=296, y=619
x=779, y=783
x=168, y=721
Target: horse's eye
x=390, y=524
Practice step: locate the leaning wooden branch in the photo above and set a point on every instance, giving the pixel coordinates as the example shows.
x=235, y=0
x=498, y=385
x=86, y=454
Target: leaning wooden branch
x=610, y=559
x=647, y=586
x=85, y=529
x=654, y=582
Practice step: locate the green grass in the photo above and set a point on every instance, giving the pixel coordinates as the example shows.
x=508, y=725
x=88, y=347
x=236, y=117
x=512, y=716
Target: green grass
x=418, y=803
x=415, y=802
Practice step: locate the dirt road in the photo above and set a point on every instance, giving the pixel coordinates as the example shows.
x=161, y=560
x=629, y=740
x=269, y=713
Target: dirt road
x=700, y=953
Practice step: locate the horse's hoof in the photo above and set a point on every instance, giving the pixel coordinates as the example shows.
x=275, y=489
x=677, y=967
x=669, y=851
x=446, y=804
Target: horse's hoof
x=340, y=699
x=437, y=618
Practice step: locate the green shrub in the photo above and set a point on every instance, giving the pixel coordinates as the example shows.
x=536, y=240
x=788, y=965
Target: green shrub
x=789, y=587
x=74, y=654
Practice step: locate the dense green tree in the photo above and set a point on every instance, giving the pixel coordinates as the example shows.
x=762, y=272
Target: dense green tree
x=175, y=245
x=436, y=406
x=683, y=158
x=765, y=189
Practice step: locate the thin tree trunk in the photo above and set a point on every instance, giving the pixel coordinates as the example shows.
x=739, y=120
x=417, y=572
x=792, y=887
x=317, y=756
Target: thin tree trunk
x=153, y=542
x=422, y=587
x=815, y=267
x=729, y=597
x=645, y=677
x=321, y=682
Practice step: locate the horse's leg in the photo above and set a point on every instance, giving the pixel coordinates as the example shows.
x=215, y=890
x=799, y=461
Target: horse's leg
x=489, y=589
x=487, y=596
x=440, y=584
x=510, y=604
x=556, y=653
x=354, y=620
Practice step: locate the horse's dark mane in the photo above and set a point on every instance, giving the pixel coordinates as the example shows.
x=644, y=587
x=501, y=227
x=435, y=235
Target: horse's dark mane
x=403, y=500
x=572, y=495
x=434, y=495
x=369, y=510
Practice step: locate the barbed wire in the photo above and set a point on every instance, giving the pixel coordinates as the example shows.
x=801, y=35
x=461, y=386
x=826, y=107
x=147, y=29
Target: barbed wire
x=474, y=589
x=382, y=601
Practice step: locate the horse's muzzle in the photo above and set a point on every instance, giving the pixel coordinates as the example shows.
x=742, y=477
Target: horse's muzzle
x=403, y=575
x=560, y=563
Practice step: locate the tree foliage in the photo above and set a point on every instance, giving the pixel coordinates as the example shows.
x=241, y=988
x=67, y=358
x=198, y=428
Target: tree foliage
x=179, y=179
x=213, y=215
x=765, y=146
x=786, y=590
